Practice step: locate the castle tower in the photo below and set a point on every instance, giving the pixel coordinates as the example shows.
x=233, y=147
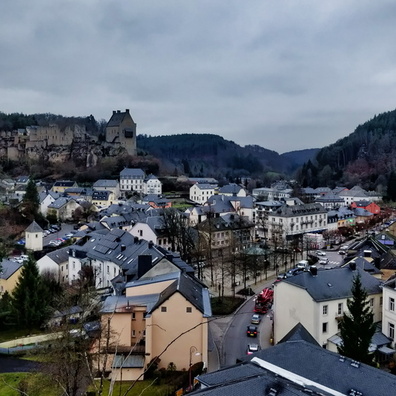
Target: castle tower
x=121, y=129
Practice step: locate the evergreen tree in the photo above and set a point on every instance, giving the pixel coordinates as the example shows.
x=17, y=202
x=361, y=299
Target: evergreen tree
x=31, y=201
x=357, y=328
x=28, y=303
x=391, y=192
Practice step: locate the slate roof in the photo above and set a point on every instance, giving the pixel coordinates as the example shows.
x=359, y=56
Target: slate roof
x=297, y=368
x=34, y=227
x=191, y=289
x=8, y=268
x=105, y=183
x=131, y=172
x=299, y=210
x=59, y=203
x=203, y=186
x=231, y=188
x=64, y=183
x=365, y=265
x=59, y=256
x=333, y=284
x=117, y=118
x=101, y=195
x=299, y=333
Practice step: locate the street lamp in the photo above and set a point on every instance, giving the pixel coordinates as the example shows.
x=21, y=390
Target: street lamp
x=193, y=351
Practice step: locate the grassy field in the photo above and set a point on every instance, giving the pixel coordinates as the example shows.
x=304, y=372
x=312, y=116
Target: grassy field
x=12, y=384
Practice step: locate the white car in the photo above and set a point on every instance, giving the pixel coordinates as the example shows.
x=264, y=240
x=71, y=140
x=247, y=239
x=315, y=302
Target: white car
x=320, y=253
x=323, y=261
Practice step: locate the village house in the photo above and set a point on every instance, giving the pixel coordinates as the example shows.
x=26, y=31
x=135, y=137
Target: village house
x=61, y=185
x=9, y=275
x=63, y=208
x=162, y=314
x=318, y=299
x=108, y=185
x=152, y=185
x=131, y=179
x=370, y=206
x=200, y=193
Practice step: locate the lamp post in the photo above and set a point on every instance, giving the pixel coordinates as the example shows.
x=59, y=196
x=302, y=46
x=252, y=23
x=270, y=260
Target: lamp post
x=193, y=351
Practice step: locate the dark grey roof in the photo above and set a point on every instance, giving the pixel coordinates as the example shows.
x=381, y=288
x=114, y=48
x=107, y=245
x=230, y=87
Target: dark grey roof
x=364, y=264
x=191, y=289
x=299, y=210
x=299, y=333
x=132, y=172
x=60, y=202
x=101, y=195
x=64, y=183
x=105, y=183
x=8, y=268
x=34, y=227
x=334, y=283
x=320, y=372
x=117, y=118
x=59, y=256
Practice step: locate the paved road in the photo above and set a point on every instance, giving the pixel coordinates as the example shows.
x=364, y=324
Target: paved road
x=11, y=364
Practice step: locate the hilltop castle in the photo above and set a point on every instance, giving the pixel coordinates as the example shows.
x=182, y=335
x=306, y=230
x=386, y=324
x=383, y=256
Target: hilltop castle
x=56, y=144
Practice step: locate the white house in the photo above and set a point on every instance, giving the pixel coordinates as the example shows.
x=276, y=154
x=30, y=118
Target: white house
x=56, y=263
x=46, y=199
x=131, y=179
x=294, y=218
x=318, y=299
x=389, y=309
x=152, y=229
x=152, y=185
x=200, y=193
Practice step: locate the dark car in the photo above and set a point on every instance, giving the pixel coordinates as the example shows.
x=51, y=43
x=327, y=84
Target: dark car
x=251, y=331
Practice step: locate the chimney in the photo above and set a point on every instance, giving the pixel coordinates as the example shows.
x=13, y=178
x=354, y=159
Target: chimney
x=114, y=112
x=352, y=266
x=123, y=247
x=150, y=244
x=127, y=111
x=118, y=111
x=144, y=264
x=136, y=239
x=313, y=270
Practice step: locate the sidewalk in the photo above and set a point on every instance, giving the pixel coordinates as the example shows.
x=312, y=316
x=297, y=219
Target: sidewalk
x=219, y=326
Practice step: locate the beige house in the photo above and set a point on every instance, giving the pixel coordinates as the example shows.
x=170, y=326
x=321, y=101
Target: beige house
x=63, y=208
x=34, y=237
x=9, y=274
x=318, y=299
x=62, y=185
x=108, y=185
x=161, y=318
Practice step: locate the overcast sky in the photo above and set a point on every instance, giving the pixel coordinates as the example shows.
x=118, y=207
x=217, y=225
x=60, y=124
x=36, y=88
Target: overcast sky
x=283, y=74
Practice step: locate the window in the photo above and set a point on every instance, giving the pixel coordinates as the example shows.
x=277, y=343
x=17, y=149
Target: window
x=391, y=304
x=188, y=309
x=391, y=332
x=371, y=302
x=133, y=316
x=163, y=309
x=108, y=269
x=340, y=309
x=133, y=333
x=325, y=309
x=324, y=327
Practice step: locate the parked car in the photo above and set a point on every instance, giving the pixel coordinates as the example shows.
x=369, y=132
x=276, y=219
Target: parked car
x=251, y=331
x=256, y=319
x=320, y=253
x=252, y=348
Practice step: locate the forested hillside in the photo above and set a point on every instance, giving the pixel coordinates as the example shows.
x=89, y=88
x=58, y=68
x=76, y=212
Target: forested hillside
x=211, y=155
x=366, y=157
